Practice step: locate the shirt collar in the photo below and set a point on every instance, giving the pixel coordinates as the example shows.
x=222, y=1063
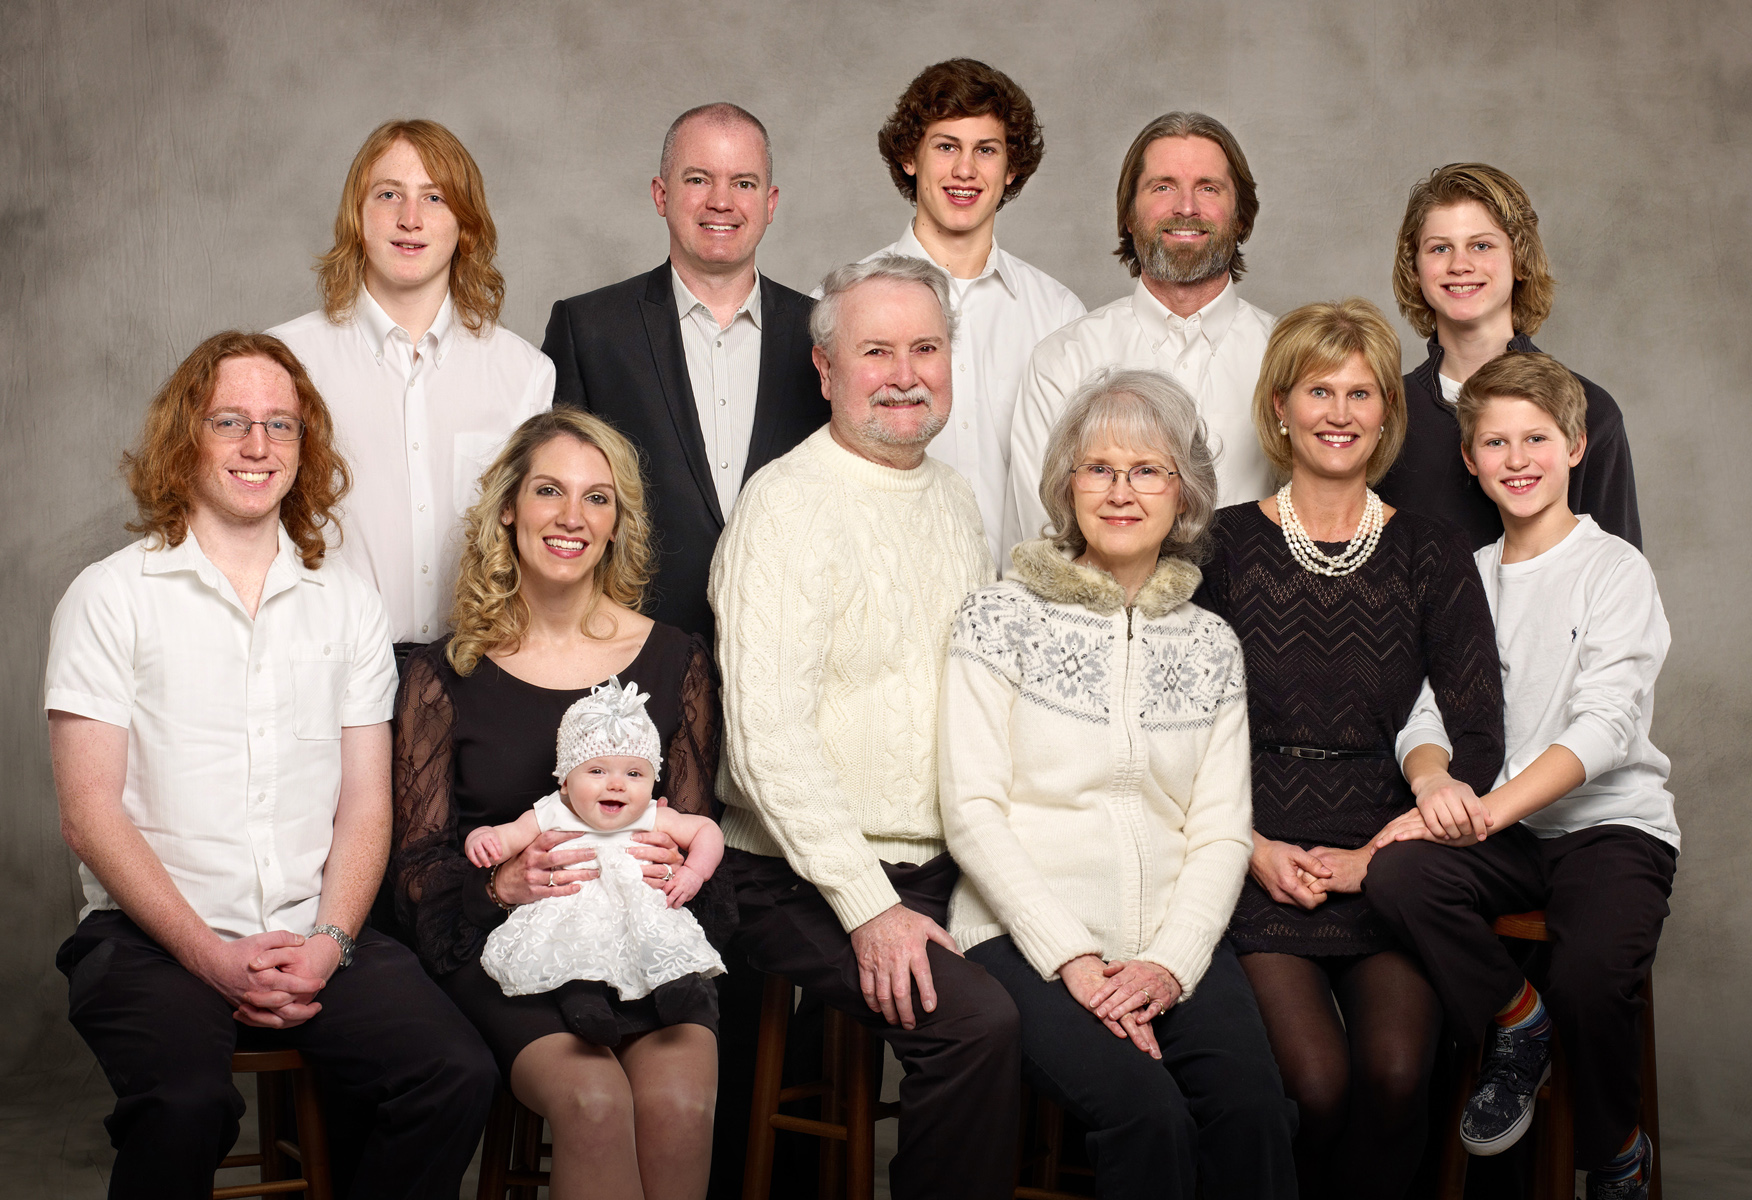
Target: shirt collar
x=686, y=301
x=1214, y=319
x=997, y=263
x=286, y=569
x=379, y=327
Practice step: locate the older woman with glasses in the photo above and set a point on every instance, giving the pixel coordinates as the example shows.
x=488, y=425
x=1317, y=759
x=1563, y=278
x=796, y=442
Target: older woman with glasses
x=1094, y=787
x=1343, y=607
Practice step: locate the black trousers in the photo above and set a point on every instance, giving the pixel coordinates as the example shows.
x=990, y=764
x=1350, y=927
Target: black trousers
x=959, y=1100
x=1604, y=891
x=386, y=1038
x=1209, y=1120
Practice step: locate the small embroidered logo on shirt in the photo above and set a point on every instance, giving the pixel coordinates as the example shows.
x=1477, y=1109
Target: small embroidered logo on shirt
x=1573, y=632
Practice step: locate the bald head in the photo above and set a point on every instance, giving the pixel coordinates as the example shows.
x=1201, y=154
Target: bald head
x=722, y=113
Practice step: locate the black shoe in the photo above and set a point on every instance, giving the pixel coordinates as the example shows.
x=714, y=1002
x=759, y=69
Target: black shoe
x=585, y=1009
x=1630, y=1184
x=1501, y=1107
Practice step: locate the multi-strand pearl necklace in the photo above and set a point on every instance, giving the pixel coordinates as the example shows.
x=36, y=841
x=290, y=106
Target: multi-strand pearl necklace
x=1312, y=557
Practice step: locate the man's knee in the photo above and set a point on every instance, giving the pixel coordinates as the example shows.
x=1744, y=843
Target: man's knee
x=197, y=1110
x=980, y=1012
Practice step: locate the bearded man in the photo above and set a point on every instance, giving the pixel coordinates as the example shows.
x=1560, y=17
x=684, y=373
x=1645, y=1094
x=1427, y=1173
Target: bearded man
x=1186, y=204
x=836, y=581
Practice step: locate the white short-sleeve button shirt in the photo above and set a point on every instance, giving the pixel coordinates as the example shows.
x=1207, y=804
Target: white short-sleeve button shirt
x=234, y=724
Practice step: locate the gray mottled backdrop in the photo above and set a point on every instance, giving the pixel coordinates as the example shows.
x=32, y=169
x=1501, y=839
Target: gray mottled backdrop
x=169, y=168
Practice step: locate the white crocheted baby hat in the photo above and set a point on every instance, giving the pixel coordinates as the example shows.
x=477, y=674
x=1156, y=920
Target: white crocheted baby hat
x=611, y=720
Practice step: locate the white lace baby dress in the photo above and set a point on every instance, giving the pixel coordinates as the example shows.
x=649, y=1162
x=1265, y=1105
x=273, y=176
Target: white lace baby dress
x=616, y=928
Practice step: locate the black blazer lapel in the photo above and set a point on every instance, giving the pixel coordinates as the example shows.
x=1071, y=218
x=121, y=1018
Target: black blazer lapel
x=663, y=328
x=778, y=333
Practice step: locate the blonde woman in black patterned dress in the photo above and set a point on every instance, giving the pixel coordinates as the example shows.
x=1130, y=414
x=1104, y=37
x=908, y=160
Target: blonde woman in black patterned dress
x=1343, y=607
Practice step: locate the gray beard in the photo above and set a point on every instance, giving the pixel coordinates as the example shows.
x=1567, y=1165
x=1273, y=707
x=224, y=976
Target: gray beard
x=877, y=432
x=1170, y=264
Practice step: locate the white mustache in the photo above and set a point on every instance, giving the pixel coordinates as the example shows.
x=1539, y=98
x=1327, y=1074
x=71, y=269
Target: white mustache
x=893, y=396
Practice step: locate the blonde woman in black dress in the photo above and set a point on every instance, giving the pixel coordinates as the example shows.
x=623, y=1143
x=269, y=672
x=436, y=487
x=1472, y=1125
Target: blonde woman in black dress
x=1343, y=607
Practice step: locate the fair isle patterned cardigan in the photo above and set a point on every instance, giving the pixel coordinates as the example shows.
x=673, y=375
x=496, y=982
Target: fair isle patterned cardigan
x=1094, y=766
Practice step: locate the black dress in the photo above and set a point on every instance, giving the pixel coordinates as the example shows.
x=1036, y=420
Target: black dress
x=1337, y=664
x=479, y=750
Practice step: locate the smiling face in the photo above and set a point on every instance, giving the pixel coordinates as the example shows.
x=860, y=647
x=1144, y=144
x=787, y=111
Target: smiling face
x=1466, y=268
x=410, y=231
x=716, y=199
x=563, y=516
x=1521, y=458
x=610, y=792
x=1119, y=524
x=1334, y=419
x=241, y=481
x=1183, y=219
x=888, y=374
x=961, y=168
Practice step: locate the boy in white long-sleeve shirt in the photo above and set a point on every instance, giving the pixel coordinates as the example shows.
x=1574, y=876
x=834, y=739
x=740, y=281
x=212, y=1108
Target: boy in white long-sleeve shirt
x=1580, y=822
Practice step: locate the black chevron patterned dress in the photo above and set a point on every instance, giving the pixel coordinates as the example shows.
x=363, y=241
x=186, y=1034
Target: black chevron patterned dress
x=1336, y=664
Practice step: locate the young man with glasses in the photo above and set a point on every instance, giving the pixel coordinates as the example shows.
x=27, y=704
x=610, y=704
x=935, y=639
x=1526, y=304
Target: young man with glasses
x=219, y=701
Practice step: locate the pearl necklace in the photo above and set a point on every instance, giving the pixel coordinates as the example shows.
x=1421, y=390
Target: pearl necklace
x=1313, y=558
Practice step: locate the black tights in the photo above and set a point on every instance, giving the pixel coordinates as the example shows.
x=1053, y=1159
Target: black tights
x=1361, y=1082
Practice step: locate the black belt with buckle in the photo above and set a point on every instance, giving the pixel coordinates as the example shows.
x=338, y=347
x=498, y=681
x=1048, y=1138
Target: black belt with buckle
x=1318, y=755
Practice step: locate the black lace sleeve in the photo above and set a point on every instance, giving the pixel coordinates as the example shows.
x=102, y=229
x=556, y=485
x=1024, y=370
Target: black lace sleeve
x=1460, y=657
x=692, y=767
x=440, y=897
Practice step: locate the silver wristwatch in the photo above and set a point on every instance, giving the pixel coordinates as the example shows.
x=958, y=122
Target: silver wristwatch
x=341, y=939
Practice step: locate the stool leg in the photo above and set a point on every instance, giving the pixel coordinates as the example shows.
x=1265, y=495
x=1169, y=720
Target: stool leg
x=268, y=1090
x=769, y=1067
x=312, y=1138
x=1651, y=1093
x=860, y=1120
x=526, y=1149
x=830, y=1160
x=496, y=1147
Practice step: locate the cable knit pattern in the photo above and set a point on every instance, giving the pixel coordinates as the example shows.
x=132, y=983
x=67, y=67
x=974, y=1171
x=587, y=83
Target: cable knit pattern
x=1095, y=767
x=834, y=585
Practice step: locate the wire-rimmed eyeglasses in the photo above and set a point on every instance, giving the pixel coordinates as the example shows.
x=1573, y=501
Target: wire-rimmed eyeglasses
x=1146, y=479
x=236, y=426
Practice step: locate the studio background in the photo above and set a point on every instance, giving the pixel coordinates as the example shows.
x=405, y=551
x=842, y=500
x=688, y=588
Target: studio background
x=169, y=168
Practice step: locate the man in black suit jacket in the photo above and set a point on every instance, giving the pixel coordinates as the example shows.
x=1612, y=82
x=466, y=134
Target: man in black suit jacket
x=702, y=363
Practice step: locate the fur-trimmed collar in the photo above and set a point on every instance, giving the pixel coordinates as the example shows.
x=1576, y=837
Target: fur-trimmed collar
x=1049, y=573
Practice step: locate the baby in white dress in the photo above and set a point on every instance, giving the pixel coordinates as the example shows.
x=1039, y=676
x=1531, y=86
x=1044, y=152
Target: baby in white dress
x=615, y=930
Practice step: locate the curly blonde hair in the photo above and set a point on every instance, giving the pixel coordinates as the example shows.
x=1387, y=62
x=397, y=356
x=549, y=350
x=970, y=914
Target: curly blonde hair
x=489, y=611
x=1507, y=203
x=476, y=288
x=162, y=467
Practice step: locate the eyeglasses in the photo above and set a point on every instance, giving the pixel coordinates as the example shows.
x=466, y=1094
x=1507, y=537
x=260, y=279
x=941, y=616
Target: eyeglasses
x=236, y=426
x=1147, y=479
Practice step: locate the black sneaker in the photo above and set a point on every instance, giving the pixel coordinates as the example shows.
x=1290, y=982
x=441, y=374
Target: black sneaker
x=1629, y=1184
x=1501, y=1107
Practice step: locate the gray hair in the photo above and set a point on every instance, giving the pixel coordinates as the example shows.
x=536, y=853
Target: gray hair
x=1147, y=411
x=902, y=268
x=721, y=112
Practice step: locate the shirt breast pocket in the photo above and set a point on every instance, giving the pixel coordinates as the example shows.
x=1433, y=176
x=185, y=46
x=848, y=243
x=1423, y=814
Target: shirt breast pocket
x=319, y=686
x=474, y=454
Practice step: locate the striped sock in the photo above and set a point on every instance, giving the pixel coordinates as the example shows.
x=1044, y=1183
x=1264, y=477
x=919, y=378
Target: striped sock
x=1524, y=1010
x=1630, y=1162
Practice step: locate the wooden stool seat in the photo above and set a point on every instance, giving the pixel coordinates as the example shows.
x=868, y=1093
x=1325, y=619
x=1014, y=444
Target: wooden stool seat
x=846, y=1090
x=1554, y=1119
x=512, y=1151
x=273, y=1069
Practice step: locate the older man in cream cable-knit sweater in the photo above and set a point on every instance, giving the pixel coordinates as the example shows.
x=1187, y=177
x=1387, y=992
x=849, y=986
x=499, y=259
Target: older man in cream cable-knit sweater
x=835, y=584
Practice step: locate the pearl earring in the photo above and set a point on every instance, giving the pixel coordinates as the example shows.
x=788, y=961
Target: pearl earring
x=1283, y=429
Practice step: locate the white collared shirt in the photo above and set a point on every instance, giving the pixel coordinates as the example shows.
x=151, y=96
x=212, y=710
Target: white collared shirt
x=1214, y=354
x=417, y=425
x=234, y=724
x=1004, y=312
x=723, y=365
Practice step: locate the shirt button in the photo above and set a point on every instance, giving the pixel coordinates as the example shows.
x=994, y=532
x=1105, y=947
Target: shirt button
x=261, y=797
x=325, y=649
x=423, y=569
x=720, y=343
x=723, y=466
x=961, y=366
x=260, y=731
x=258, y=668
x=424, y=628
x=964, y=424
x=422, y=508
x=722, y=401
x=416, y=445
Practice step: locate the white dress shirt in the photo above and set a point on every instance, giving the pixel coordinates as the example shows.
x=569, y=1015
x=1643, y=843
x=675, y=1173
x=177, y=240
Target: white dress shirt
x=723, y=365
x=1214, y=354
x=234, y=724
x=417, y=425
x=1004, y=313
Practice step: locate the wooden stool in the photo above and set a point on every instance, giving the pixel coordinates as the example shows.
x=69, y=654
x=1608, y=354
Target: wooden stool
x=850, y=1079
x=272, y=1069
x=1554, y=1170
x=512, y=1151
x=1040, y=1168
